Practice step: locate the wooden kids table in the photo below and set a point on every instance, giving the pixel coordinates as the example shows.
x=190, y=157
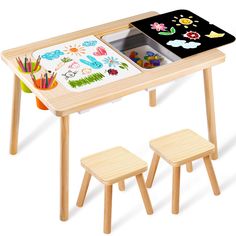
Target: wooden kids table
x=62, y=102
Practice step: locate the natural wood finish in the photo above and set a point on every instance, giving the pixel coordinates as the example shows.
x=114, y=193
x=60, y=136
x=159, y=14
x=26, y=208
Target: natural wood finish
x=152, y=98
x=107, y=209
x=212, y=176
x=210, y=109
x=121, y=185
x=113, y=165
x=63, y=102
x=64, y=168
x=152, y=170
x=15, y=115
x=189, y=166
x=83, y=189
x=182, y=147
x=175, y=190
x=144, y=193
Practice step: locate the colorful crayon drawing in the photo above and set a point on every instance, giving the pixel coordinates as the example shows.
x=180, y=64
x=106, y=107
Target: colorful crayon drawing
x=89, y=43
x=93, y=62
x=70, y=74
x=182, y=43
x=86, y=63
x=86, y=71
x=77, y=50
x=158, y=27
x=111, y=61
x=213, y=35
x=52, y=55
x=185, y=21
x=168, y=33
x=112, y=72
x=86, y=80
x=64, y=60
x=74, y=65
x=101, y=51
x=192, y=35
x=124, y=66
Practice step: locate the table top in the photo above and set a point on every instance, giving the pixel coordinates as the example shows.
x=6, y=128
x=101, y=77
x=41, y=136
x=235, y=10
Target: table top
x=62, y=101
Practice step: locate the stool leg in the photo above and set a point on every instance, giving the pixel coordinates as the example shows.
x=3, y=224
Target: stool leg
x=189, y=166
x=144, y=193
x=175, y=190
x=152, y=170
x=83, y=189
x=121, y=185
x=212, y=176
x=107, y=209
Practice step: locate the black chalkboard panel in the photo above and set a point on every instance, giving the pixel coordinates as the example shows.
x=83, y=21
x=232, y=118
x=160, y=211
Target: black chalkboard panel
x=183, y=32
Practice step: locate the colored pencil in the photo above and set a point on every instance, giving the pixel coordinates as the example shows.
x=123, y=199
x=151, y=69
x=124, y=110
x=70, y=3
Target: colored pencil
x=25, y=65
x=46, y=84
x=20, y=64
x=41, y=81
x=52, y=80
x=30, y=65
x=37, y=63
x=34, y=80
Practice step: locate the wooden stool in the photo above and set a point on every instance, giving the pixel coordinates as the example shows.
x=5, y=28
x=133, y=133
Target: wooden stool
x=113, y=166
x=177, y=149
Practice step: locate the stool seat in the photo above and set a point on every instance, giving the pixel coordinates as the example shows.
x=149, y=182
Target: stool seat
x=113, y=165
x=181, y=147
x=109, y=167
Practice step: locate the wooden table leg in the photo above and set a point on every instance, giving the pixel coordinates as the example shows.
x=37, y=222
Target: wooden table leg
x=189, y=166
x=210, y=109
x=121, y=185
x=64, y=168
x=15, y=115
x=152, y=98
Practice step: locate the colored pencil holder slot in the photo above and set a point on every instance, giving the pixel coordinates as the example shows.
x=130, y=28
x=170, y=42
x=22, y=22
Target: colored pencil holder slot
x=24, y=88
x=39, y=103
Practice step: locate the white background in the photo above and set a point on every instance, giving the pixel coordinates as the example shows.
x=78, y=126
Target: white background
x=29, y=181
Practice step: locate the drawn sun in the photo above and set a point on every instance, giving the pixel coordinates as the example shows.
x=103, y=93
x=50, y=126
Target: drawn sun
x=185, y=21
x=74, y=50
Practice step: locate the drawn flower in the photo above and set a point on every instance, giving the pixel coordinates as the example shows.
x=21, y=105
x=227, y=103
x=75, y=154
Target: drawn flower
x=192, y=35
x=52, y=55
x=158, y=27
x=77, y=50
x=111, y=61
